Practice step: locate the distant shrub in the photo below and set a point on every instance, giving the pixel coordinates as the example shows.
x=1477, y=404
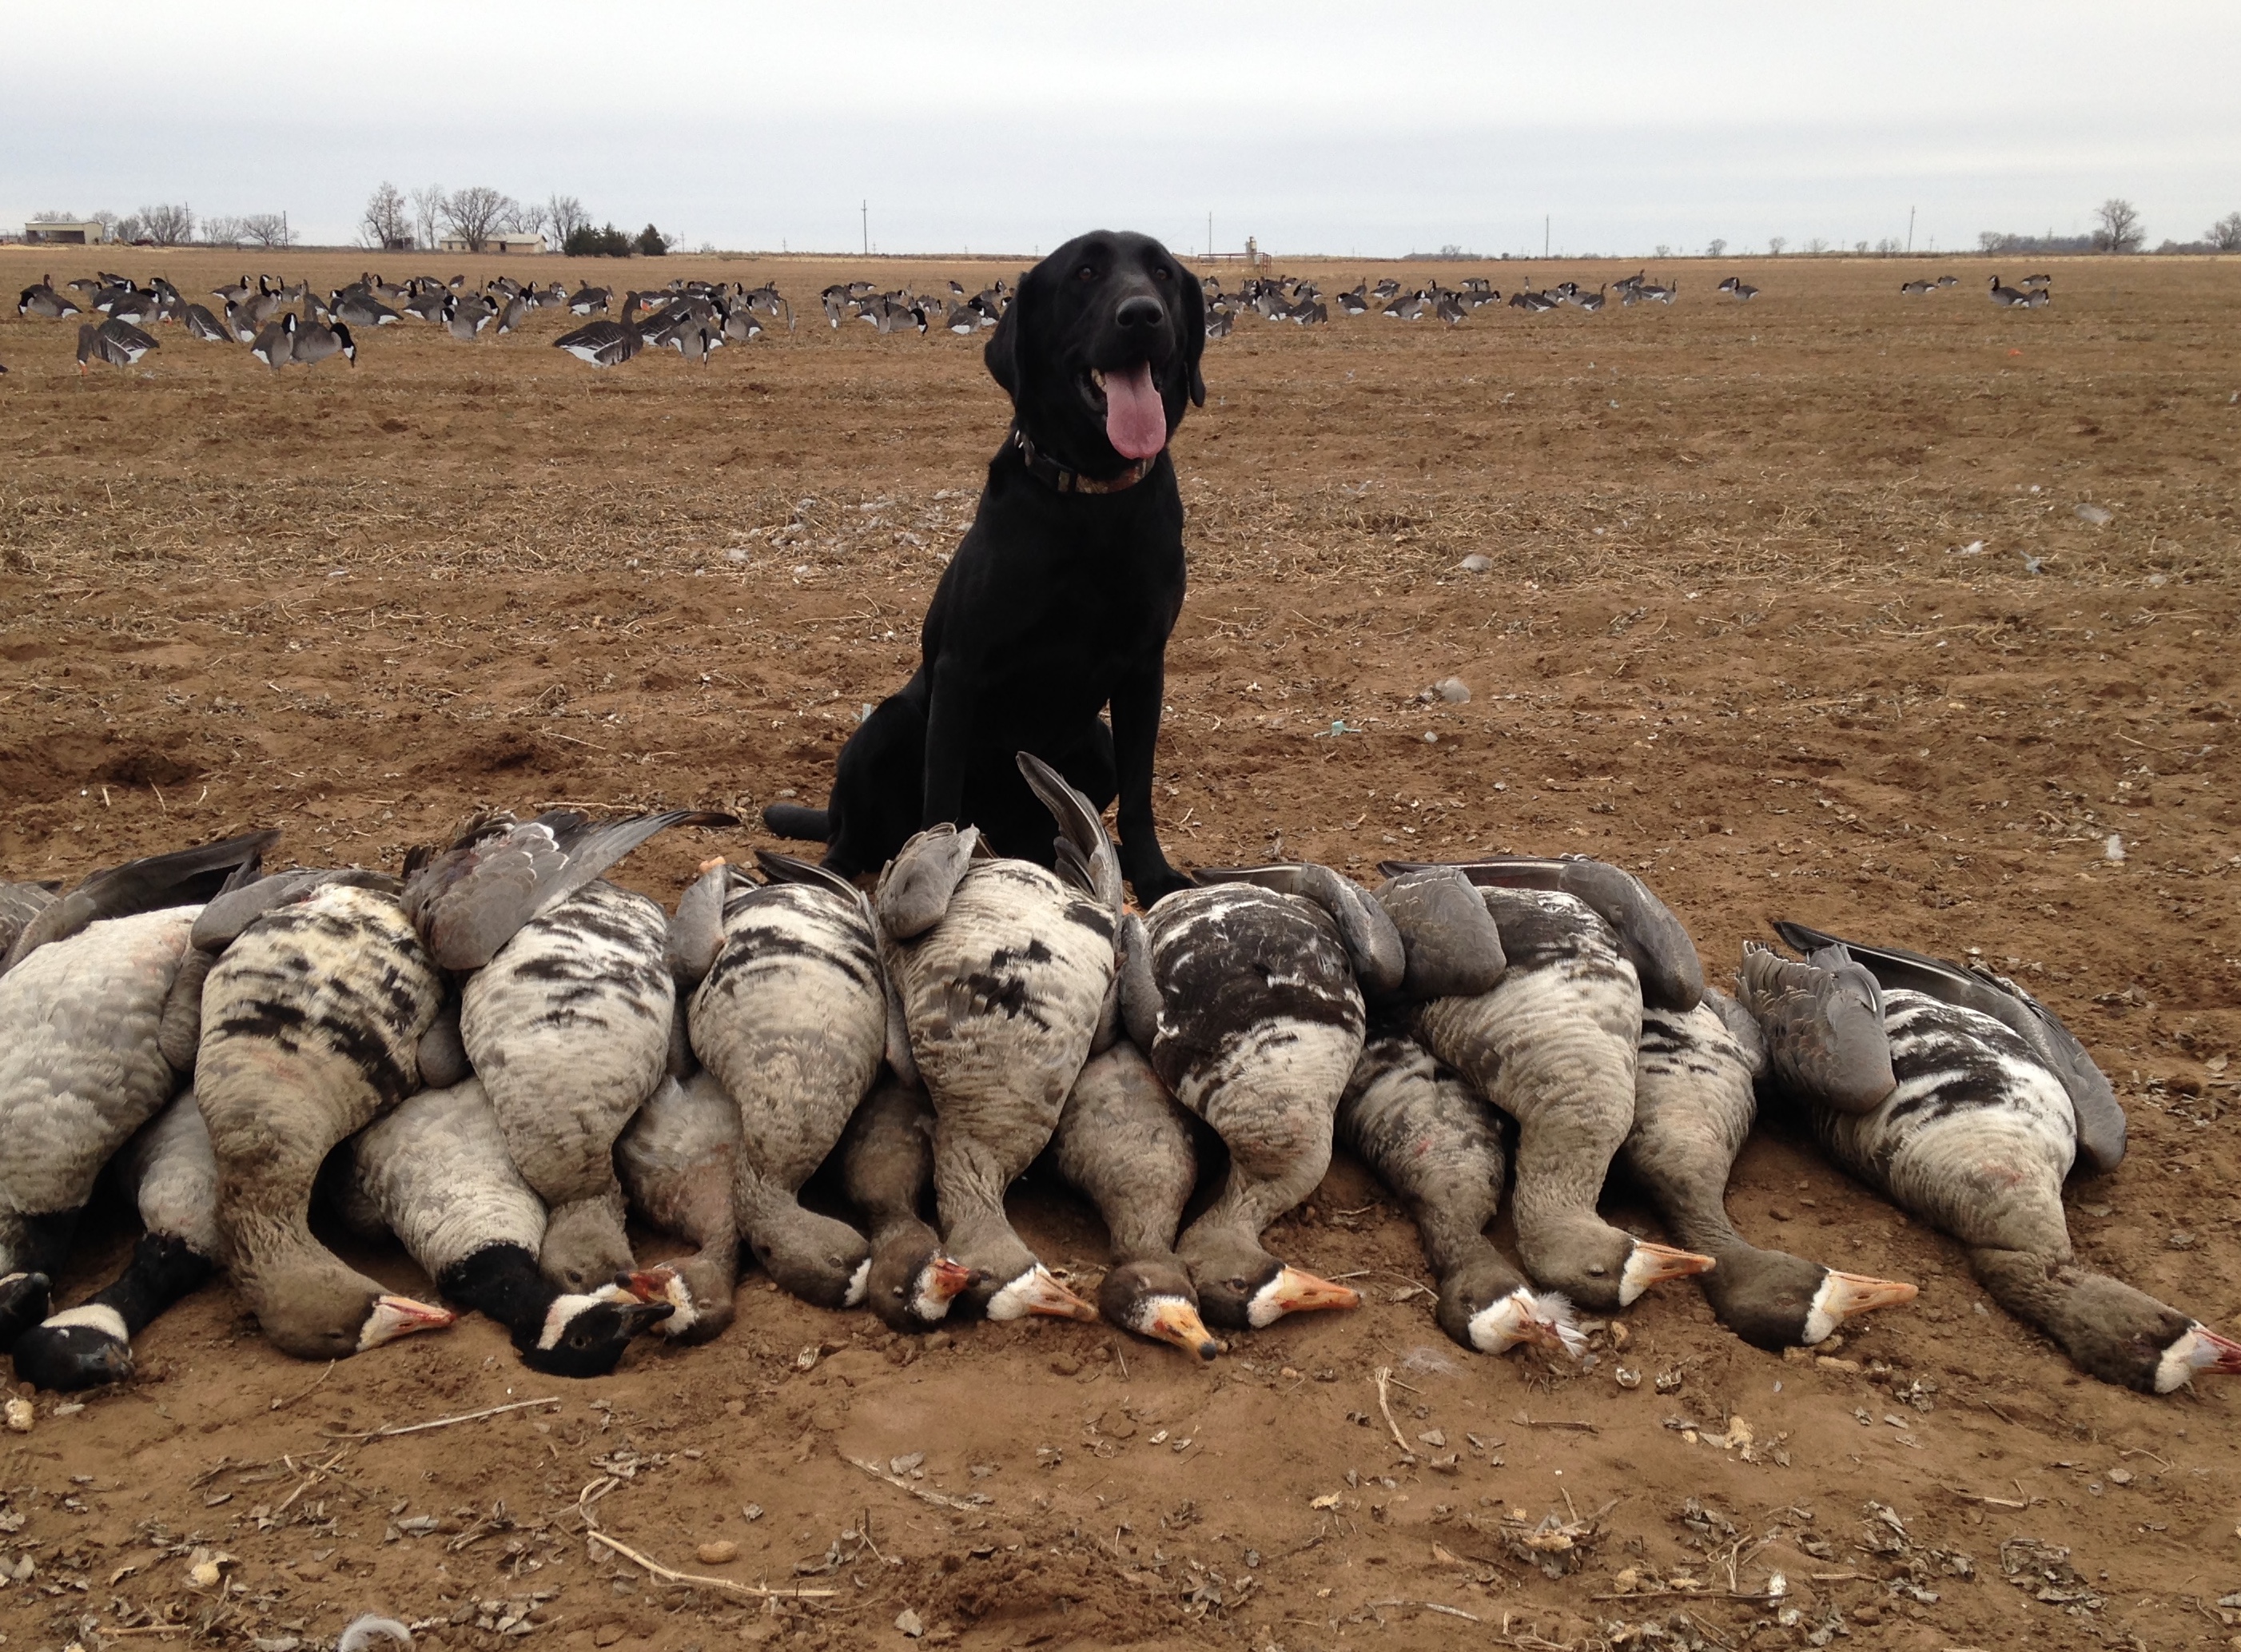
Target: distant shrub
x=585, y=242
x=651, y=244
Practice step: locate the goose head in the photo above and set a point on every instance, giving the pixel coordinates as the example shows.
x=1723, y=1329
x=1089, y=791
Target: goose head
x=913, y=1282
x=1601, y=1267
x=331, y=1316
x=1773, y=1300
x=79, y=1348
x=1243, y=1288
x=24, y=1299
x=1483, y=1306
x=815, y=1257
x=1154, y=1299
x=583, y=1334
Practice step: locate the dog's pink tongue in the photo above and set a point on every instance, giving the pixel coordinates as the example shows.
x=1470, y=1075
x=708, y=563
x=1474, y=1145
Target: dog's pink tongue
x=1135, y=422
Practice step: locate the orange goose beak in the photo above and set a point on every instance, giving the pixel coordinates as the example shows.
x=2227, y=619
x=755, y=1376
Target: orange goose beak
x=1176, y=1322
x=395, y=1316
x=1845, y=1294
x=946, y=1280
x=1651, y=1264
x=2227, y=1361
x=1295, y=1292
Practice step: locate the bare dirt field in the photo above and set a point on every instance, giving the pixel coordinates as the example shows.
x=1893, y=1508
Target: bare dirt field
x=1790, y=606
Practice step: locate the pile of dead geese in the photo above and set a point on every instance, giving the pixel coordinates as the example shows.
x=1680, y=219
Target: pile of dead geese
x=497, y=1054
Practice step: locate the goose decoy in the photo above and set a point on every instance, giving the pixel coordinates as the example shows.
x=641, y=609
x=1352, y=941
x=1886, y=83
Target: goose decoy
x=568, y=1027
x=1591, y=301
x=603, y=344
x=1553, y=1045
x=466, y=321
x=1915, y=289
x=743, y=326
x=792, y=1021
x=275, y=344
x=1122, y=1141
x=886, y=1165
x=1654, y=941
x=1247, y=1001
x=515, y=312
x=2033, y=282
x=1002, y=996
x=167, y=1168
x=1976, y=1139
x=41, y=299
x=200, y=324
x=677, y=1160
x=2007, y=297
x=316, y=341
x=1694, y=1105
x=31, y=915
x=588, y=299
x=361, y=309
x=2100, y=1117
x=2038, y=298
x=437, y=1172
x=310, y=1022
x=1440, y=1148
x=1949, y=281
x=118, y=343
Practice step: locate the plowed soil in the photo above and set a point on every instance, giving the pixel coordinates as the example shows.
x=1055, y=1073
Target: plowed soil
x=1788, y=605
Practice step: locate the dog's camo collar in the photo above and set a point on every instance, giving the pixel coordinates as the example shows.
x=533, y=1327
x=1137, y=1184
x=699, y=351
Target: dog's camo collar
x=1067, y=481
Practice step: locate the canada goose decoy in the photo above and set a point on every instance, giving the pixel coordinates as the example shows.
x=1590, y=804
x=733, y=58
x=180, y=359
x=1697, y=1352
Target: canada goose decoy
x=887, y=1166
x=2100, y=1117
x=1122, y=1141
x=1219, y=323
x=1440, y=1148
x=1739, y=289
x=1976, y=1140
x=1247, y=1003
x=603, y=344
x=568, y=1027
x=200, y=324
x=1005, y=976
x=32, y=915
x=309, y=1025
x=2033, y=282
x=743, y=326
x=466, y=321
x=1693, y=1104
x=167, y=1170
x=315, y=341
x=118, y=343
x=677, y=1160
x=276, y=345
x=41, y=299
x=2038, y=298
x=514, y=313
x=1554, y=1047
x=792, y=1021
x=362, y=309
x=1356, y=302
x=1652, y=939
x=1915, y=288
x=437, y=1172
x=2006, y=297
x=1591, y=301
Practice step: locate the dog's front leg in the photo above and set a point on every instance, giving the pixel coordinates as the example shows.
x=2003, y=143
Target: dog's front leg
x=1136, y=706
x=948, y=738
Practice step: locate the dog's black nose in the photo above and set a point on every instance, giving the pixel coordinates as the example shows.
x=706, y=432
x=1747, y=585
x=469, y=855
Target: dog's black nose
x=1141, y=311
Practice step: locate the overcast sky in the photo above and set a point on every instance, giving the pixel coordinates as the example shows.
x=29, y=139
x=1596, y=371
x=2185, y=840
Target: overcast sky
x=1364, y=128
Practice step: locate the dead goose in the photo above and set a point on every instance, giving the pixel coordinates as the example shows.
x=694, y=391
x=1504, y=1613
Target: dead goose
x=1122, y=1141
x=1976, y=1139
x=1693, y=1104
x=437, y=1172
x=886, y=1160
x=310, y=1022
x=1004, y=983
x=1554, y=1047
x=168, y=1169
x=1440, y=1148
x=118, y=343
x=677, y=1160
x=31, y=915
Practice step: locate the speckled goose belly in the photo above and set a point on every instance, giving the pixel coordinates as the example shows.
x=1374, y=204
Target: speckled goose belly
x=437, y=1169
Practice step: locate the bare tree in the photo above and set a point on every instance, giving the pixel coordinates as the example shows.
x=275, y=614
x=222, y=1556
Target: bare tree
x=387, y=221
x=108, y=220
x=267, y=230
x=428, y=212
x=1714, y=247
x=170, y=225
x=129, y=228
x=223, y=231
x=474, y=214
x=1816, y=246
x=564, y=217
x=527, y=217
x=2225, y=234
x=1775, y=245
x=2119, y=230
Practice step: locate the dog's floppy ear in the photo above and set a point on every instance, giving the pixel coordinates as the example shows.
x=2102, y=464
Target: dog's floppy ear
x=1002, y=350
x=1194, y=297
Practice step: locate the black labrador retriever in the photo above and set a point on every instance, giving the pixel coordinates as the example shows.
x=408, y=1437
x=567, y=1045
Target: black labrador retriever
x=1059, y=601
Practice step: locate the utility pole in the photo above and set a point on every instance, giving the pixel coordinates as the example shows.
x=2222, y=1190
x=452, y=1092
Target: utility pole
x=1910, y=230
x=1209, y=235
x=866, y=210
x=1544, y=237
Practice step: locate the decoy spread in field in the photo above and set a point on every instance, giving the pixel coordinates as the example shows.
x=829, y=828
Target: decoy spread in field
x=494, y=1054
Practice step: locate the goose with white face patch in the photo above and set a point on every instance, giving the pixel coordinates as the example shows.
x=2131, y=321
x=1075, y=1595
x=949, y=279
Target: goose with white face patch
x=887, y=1166
x=1005, y=987
x=1250, y=1009
x=1553, y=1045
x=169, y=1172
x=792, y=1021
x=436, y=1172
x=1693, y=1104
x=1123, y=1141
x=1434, y=1141
x=677, y=1159
x=311, y=1023
x=1977, y=1139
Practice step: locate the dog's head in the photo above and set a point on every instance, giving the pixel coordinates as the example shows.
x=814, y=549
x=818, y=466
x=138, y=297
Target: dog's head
x=1100, y=349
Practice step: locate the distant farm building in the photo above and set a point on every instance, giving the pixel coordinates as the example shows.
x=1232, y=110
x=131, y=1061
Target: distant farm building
x=509, y=243
x=64, y=235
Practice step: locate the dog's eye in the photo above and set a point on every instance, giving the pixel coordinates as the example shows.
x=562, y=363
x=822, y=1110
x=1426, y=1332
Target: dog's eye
x=1087, y=272
x=1161, y=273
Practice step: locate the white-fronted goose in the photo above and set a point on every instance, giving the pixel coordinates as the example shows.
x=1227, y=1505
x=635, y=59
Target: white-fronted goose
x=677, y=1160
x=437, y=1171
x=200, y=324
x=1002, y=996
x=886, y=1164
x=118, y=343
x=792, y=1021
x=603, y=344
x=41, y=299
x=1432, y=1139
x=309, y=1025
x=1553, y=1045
x=1693, y=1104
x=168, y=1172
x=1976, y=1139
x=1122, y=1141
